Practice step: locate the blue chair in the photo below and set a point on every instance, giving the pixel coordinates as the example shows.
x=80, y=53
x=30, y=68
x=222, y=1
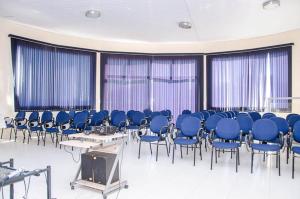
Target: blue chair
x=245, y=123
x=268, y=115
x=20, y=124
x=106, y=113
x=295, y=149
x=290, y=115
x=264, y=132
x=137, y=120
x=292, y=120
x=206, y=114
x=226, y=134
x=119, y=121
x=210, y=126
x=186, y=112
x=198, y=115
x=191, y=130
x=92, y=112
x=9, y=124
x=222, y=115
x=147, y=113
x=178, y=123
x=96, y=120
x=72, y=114
x=159, y=126
x=283, y=128
x=154, y=114
x=113, y=113
x=211, y=112
x=167, y=114
x=34, y=126
x=244, y=114
x=254, y=115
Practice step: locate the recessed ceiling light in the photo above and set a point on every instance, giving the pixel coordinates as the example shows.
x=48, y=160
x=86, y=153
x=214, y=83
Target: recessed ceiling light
x=93, y=14
x=271, y=4
x=185, y=25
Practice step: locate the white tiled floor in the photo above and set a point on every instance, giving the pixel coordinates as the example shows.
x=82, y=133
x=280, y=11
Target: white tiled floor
x=158, y=180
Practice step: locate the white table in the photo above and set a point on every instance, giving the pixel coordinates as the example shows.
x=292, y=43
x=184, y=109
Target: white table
x=104, y=143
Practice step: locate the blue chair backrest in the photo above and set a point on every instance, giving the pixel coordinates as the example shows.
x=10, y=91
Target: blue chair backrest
x=190, y=126
x=119, y=120
x=255, y=116
x=165, y=113
x=62, y=118
x=154, y=114
x=169, y=112
x=268, y=115
x=34, y=116
x=245, y=123
x=20, y=115
x=228, y=114
x=147, y=112
x=97, y=119
x=281, y=124
x=296, y=132
x=47, y=116
x=228, y=129
x=80, y=120
x=106, y=112
x=290, y=115
x=211, y=122
x=130, y=113
x=293, y=119
x=92, y=112
x=264, y=130
x=158, y=123
x=186, y=112
x=198, y=115
x=205, y=114
x=179, y=120
x=211, y=112
x=113, y=113
x=137, y=118
x=72, y=114
x=222, y=115
x=244, y=114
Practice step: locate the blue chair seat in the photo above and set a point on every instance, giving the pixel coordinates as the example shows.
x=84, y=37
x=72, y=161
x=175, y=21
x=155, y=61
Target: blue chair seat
x=69, y=131
x=52, y=130
x=22, y=127
x=36, y=128
x=266, y=147
x=225, y=145
x=132, y=127
x=183, y=141
x=296, y=149
x=150, y=138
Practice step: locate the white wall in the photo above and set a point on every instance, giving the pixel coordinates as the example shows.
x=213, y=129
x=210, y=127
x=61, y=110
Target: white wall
x=9, y=27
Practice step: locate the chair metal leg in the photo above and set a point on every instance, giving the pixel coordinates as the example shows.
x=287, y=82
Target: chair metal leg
x=276, y=160
x=181, y=151
x=157, y=150
x=139, y=149
x=56, y=140
x=167, y=147
x=293, y=165
x=230, y=153
x=2, y=133
x=10, y=134
x=39, y=134
x=187, y=149
x=195, y=155
x=205, y=143
x=287, y=154
x=173, y=154
x=236, y=160
x=252, y=158
x=264, y=157
x=45, y=138
x=29, y=136
x=238, y=155
x=61, y=139
x=279, y=163
x=24, y=136
x=216, y=155
x=16, y=135
x=212, y=157
x=200, y=149
x=150, y=148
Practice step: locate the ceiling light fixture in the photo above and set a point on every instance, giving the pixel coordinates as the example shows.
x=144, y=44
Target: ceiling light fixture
x=185, y=25
x=94, y=14
x=271, y=4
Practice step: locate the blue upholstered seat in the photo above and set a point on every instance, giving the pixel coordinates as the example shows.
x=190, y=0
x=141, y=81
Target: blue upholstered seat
x=185, y=141
x=150, y=138
x=266, y=147
x=296, y=149
x=225, y=145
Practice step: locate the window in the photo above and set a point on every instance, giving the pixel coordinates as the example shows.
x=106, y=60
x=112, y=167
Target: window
x=245, y=81
x=155, y=82
x=52, y=78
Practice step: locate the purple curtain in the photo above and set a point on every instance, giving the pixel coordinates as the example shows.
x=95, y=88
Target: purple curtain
x=126, y=83
x=246, y=80
x=155, y=82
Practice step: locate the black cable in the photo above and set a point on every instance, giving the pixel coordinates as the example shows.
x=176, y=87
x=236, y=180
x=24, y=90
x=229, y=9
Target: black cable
x=76, y=161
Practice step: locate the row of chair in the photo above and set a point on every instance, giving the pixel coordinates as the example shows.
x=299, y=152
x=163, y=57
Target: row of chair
x=226, y=133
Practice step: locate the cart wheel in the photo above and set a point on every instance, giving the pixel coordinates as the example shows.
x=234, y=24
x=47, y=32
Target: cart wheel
x=104, y=197
x=72, y=188
x=126, y=186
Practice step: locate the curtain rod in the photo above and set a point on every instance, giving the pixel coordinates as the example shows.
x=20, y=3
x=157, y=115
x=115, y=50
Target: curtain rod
x=149, y=54
x=251, y=50
x=51, y=44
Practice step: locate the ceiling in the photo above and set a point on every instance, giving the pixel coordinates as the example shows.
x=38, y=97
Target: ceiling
x=156, y=20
